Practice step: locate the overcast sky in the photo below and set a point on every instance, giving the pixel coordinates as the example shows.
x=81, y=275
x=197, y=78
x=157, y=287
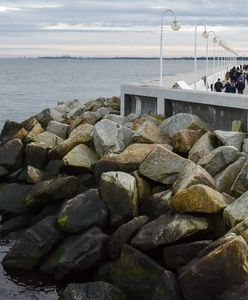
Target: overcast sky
x=115, y=28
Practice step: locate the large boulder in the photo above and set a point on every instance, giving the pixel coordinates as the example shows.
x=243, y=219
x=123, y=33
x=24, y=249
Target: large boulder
x=120, y=194
x=241, y=229
x=76, y=252
x=34, y=244
x=48, y=139
x=82, y=212
x=36, y=155
x=182, y=121
x=215, y=269
x=85, y=130
x=219, y=159
x=184, y=140
x=11, y=154
x=163, y=166
x=32, y=175
x=237, y=211
x=168, y=229
x=140, y=277
x=240, y=185
x=235, y=292
x=9, y=131
x=231, y=138
x=58, y=129
x=80, y=157
x=198, y=198
x=36, y=130
x=92, y=290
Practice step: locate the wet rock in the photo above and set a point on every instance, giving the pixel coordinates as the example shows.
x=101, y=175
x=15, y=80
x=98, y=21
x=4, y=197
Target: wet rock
x=76, y=252
x=32, y=175
x=219, y=159
x=48, y=139
x=12, y=198
x=241, y=229
x=80, y=157
x=123, y=235
x=237, y=211
x=156, y=205
x=225, y=179
x=163, y=166
x=36, y=130
x=168, y=229
x=182, y=121
x=231, y=138
x=144, y=188
x=82, y=212
x=191, y=175
x=176, y=256
x=240, y=185
x=220, y=265
x=11, y=154
x=207, y=143
x=50, y=191
x=92, y=290
x=184, y=140
x=58, y=129
x=120, y=194
x=139, y=276
x=36, y=155
x=235, y=292
x=14, y=224
x=198, y=199
x=34, y=244
x=108, y=138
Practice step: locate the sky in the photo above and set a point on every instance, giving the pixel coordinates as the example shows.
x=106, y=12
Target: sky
x=100, y=28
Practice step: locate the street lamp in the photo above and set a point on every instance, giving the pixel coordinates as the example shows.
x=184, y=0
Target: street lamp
x=217, y=40
x=204, y=35
x=175, y=25
x=213, y=78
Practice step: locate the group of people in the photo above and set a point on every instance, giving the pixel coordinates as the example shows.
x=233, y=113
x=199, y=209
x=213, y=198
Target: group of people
x=235, y=80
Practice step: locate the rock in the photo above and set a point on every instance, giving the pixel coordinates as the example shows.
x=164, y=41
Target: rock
x=245, y=146
x=182, y=121
x=94, y=105
x=58, y=129
x=123, y=235
x=163, y=166
x=85, y=130
x=113, y=102
x=33, y=175
x=139, y=276
x=127, y=135
x=82, y=212
x=191, y=175
x=12, y=198
x=104, y=111
x=76, y=252
x=44, y=117
x=207, y=143
x=48, y=139
x=215, y=269
x=11, y=154
x=80, y=157
x=108, y=138
x=3, y=172
x=149, y=133
x=142, y=119
x=50, y=191
x=9, y=131
x=14, y=224
x=120, y=194
x=235, y=292
x=219, y=159
x=168, y=229
x=116, y=118
x=21, y=134
x=156, y=205
x=240, y=185
x=237, y=211
x=198, y=198
x=241, y=229
x=231, y=138
x=144, y=188
x=53, y=167
x=184, y=140
x=92, y=290
x=225, y=179
x=36, y=155
x=176, y=256
x=33, y=245
x=36, y=130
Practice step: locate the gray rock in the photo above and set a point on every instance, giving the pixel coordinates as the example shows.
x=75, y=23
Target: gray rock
x=14, y=224
x=235, y=292
x=184, y=140
x=76, y=252
x=9, y=131
x=48, y=139
x=168, y=229
x=113, y=102
x=33, y=175
x=85, y=130
x=237, y=211
x=219, y=159
x=36, y=155
x=34, y=244
x=241, y=229
x=92, y=290
x=245, y=146
x=123, y=235
x=231, y=138
x=240, y=185
x=116, y=118
x=163, y=166
x=82, y=212
x=182, y=121
x=58, y=129
x=53, y=167
x=3, y=172
x=11, y=154
x=120, y=194
x=44, y=117
x=36, y=130
x=108, y=138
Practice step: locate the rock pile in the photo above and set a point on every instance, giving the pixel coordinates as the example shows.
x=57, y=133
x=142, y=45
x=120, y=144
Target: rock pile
x=146, y=208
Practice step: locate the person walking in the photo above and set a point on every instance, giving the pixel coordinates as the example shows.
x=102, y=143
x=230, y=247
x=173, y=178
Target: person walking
x=240, y=85
x=218, y=86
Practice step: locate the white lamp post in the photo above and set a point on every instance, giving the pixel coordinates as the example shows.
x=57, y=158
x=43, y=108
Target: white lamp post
x=216, y=40
x=175, y=25
x=204, y=35
x=213, y=78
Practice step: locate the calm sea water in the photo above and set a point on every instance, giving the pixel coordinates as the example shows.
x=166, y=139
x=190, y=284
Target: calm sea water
x=27, y=86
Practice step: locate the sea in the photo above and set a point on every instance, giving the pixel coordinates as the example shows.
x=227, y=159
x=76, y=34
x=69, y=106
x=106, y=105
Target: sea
x=28, y=86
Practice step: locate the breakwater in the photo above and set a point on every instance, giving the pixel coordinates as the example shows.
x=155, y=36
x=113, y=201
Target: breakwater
x=126, y=207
